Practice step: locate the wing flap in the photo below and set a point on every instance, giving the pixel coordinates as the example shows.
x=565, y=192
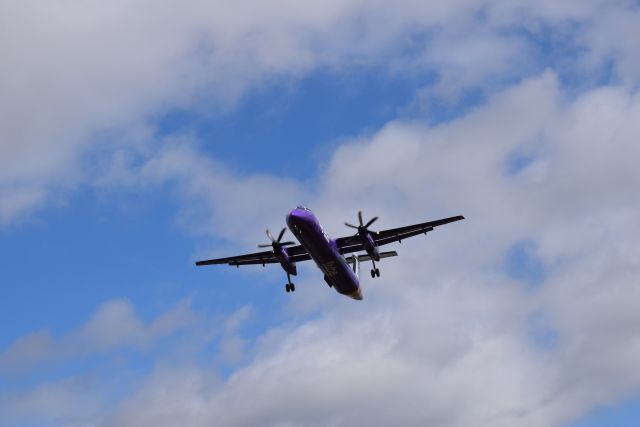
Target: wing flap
x=253, y=262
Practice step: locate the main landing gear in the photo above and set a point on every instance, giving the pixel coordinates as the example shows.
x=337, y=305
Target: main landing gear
x=289, y=287
x=374, y=272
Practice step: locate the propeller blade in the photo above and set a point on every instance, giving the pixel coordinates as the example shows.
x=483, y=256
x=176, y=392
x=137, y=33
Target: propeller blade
x=270, y=236
x=371, y=221
x=281, y=234
x=287, y=243
x=349, y=225
x=264, y=246
x=360, y=218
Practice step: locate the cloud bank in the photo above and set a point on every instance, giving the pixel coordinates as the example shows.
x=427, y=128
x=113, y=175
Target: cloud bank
x=447, y=336
x=74, y=75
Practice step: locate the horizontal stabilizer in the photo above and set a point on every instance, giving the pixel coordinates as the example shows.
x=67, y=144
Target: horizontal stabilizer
x=366, y=257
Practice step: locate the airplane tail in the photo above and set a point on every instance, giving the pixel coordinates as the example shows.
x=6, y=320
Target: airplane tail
x=355, y=260
x=355, y=264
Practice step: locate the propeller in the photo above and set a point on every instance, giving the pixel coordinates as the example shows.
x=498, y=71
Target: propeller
x=362, y=227
x=276, y=243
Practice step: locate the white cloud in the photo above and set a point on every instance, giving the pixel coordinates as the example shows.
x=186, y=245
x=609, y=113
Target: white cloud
x=74, y=71
x=68, y=402
x=85, y=396
x=226, y=202
x=114, y=325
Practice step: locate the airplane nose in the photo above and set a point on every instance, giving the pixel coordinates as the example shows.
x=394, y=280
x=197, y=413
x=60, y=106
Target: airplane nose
x=291, y=218
x=296, y=216
x=293, y=214
x=294, y=221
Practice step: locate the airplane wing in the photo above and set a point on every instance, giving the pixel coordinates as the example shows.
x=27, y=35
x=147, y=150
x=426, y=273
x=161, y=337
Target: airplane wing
x=296, y=253
x=353, y=243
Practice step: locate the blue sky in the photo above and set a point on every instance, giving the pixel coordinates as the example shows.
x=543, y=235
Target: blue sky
x=156, y=139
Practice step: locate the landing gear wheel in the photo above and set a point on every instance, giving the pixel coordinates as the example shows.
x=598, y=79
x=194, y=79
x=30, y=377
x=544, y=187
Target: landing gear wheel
x=287, y=287
x=293, y=287
x=377, y=272
x=373, y=273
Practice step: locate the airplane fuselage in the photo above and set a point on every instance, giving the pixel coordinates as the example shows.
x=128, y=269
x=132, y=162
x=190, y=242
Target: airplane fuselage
x=324, y=251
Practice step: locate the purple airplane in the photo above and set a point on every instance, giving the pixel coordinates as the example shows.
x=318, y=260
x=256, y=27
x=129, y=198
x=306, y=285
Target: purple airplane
x=340, y=273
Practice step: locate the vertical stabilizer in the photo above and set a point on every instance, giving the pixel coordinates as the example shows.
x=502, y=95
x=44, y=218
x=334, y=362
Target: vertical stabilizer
x=355, y=264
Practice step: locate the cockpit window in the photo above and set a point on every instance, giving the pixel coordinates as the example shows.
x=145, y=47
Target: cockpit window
x=303, y=208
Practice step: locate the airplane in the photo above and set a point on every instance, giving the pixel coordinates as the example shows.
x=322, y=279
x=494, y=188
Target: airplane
x=340, y=272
